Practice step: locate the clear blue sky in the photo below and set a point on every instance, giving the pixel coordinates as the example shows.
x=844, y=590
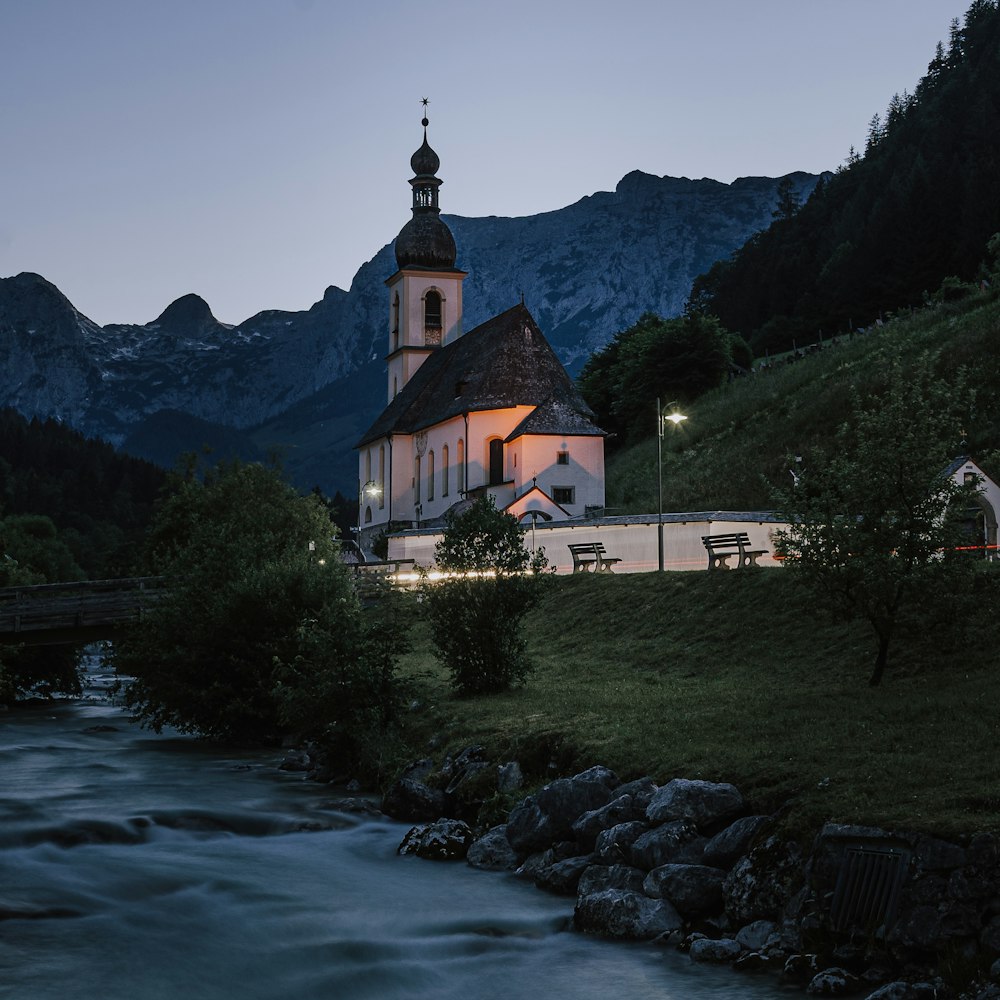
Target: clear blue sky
x=256, y=151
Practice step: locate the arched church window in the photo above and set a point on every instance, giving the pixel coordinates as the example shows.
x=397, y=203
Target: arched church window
x=368, y=515
x=444, y=471
x=416, y=479
x=460, y=466
x=430, y=475
x=432, y=309
x=381, y=476
x=496, y=461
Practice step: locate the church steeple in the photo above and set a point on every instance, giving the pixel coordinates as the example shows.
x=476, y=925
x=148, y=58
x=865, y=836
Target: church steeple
x=425, y=241
x=425, y=294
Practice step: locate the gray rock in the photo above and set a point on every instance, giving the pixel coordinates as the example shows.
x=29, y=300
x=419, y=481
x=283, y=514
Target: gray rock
x=731, y=844
x=549, y=816
x=641, y=790
x=618, y=913
x=672, y=843
x=703, y=802
x=413, y=801
x=933, y=855
x=492, y=851
x=590, y=824
x=694, y=890
x=707, y=950
x=509, y=777
x=893, y=991
x=752, y=961
x=916, y=929
x=597, y=878
x=443, y=840
x=615, y=845
x=762, y=883
x=831, y=982
x=563, y=877
x=754, y=936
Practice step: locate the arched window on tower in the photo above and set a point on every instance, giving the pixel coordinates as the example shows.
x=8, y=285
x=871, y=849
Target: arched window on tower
x=395, y=321
x=432, y=317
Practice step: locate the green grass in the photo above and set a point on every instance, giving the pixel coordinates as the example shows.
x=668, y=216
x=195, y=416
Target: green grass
x=735, y=677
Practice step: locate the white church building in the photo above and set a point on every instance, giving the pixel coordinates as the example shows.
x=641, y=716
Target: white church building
x=488, y=411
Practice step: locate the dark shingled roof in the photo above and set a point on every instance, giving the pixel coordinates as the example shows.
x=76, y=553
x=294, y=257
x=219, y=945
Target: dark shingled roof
x=503, y=362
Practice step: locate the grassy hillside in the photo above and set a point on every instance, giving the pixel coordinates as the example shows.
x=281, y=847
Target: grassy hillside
x=738, y=438
x=733, y=676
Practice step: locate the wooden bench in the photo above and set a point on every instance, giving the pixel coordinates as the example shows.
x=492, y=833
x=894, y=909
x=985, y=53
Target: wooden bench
x=591, y=557
x=736, y=543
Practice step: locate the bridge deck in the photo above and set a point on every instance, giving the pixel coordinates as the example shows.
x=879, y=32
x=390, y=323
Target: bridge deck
x=52, y=613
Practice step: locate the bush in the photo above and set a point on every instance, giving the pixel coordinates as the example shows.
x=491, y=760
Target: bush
x=476, y=614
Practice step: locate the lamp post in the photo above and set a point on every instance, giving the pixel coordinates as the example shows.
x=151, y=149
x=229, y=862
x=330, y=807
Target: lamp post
x=371, y=488
x=661, y=419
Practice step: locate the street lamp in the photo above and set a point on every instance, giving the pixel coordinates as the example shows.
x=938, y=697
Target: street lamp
x=371, y=488
x=661, y=420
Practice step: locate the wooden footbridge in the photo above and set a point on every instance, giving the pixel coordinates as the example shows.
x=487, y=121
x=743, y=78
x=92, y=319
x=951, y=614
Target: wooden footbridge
x=54, y=613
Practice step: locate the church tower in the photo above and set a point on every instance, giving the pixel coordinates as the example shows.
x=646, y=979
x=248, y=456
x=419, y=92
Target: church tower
x=425, y=293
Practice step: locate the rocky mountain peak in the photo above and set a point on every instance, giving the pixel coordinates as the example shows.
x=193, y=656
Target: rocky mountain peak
x=188, y=316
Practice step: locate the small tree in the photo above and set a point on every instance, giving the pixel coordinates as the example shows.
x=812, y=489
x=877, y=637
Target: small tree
x=258, y=608
x=476, y=614
x=874, y=525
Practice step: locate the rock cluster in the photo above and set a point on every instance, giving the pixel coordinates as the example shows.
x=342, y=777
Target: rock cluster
x=690, y=864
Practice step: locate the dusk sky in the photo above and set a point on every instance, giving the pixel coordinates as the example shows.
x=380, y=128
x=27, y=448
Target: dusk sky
x=256, y=151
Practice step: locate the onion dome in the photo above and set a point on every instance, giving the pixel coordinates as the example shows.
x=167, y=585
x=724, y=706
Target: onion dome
x=425, y=241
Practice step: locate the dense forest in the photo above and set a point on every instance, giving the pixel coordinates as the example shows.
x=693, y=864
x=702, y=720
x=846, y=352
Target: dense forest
x=915, y=208
x=70, y=506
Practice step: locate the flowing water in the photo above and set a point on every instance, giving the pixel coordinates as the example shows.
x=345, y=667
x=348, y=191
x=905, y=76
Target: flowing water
x=144, y=867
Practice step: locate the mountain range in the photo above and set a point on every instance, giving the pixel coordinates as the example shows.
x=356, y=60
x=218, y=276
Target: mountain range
x=304, y=385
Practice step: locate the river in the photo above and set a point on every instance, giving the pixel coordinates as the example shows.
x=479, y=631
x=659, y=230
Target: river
x=142, y=866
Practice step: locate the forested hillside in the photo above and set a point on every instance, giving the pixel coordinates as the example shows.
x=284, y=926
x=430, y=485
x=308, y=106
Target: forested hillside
x=98, y=500
x=917, y=206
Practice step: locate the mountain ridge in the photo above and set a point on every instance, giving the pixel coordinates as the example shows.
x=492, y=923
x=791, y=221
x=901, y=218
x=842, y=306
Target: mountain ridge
x=586, y=271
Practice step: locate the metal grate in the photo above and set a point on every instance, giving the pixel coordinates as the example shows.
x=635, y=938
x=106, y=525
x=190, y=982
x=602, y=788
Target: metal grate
x=868, y=886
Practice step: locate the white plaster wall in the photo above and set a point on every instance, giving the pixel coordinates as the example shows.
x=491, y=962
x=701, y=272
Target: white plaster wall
x=584, y=473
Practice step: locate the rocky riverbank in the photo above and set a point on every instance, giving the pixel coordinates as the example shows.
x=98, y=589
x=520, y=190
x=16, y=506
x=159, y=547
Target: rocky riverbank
x=885, y=915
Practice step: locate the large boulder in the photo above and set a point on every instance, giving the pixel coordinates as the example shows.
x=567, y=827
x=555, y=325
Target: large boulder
x=596, y=821
x=444, y=840
x=614, y=845
x=562, y=877
x=762, y=883
x=548, y=816
x=732, y=843
x=492, y=851
x=597, y=878
x=705, y=803
x=694, y=890
x=832, y=982
x=707, y=950
x=755, y=935
x=619, y=913
x=410, y=800
x=672, y=843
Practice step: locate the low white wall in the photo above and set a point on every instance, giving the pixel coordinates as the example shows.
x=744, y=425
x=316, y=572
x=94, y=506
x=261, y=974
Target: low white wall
x=633, y=541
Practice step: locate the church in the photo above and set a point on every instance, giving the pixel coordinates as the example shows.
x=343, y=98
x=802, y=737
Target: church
x=488, y=411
